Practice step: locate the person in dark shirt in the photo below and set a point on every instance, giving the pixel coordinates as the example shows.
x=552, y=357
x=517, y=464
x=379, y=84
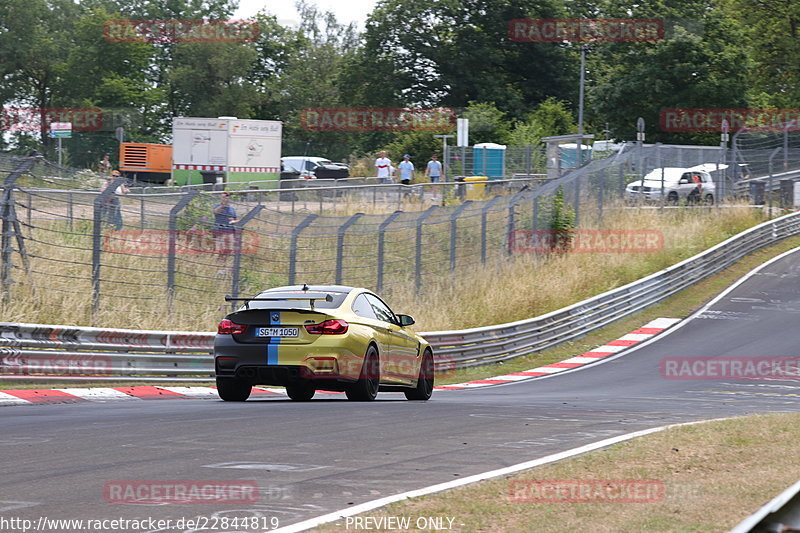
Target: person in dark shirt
x=223, y=230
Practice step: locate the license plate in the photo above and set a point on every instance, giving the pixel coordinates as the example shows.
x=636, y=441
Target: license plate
x=276, y=332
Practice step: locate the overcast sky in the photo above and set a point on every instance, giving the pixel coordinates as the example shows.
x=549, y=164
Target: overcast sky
x=345, y=10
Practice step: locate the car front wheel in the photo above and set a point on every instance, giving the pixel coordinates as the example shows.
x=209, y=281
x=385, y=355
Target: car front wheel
x=366, y=388
x=424, y=387
x=672, y=198
x=233, y=390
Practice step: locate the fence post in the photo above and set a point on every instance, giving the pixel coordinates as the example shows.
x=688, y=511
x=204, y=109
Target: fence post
x=10, y=226
x=484, y=211
x=511, y=218
x=340, y=245
x=577, y=203
x=293, y=246
x=101, y=207
x=600, y=193
x=381, y=244
x=535, y=224
x=238, y=228
x=453, y=219
x=418, y=250
x=141, y=211
x=171, y=236
x=69, y=209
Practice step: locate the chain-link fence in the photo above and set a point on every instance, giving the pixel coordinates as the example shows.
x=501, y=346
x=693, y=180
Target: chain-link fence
x=156, y=250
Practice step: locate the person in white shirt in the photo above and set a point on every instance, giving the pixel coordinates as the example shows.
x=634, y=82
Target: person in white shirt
x=406, y=168
x=383, y=166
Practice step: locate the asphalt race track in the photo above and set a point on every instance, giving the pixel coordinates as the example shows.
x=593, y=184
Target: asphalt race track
x=313, y=458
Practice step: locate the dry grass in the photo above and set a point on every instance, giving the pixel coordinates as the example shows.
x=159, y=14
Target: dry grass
x=502, y=291
x=713, y=476
x=532, y=285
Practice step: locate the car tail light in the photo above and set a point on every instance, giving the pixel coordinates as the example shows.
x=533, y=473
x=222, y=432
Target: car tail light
x=227, y=327
x=329, y=327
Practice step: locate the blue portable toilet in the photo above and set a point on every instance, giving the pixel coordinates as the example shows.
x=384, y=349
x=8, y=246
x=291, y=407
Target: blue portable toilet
x=569, y=155
x=489, y=159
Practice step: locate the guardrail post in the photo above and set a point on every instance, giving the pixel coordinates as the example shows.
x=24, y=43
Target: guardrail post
x=238, y=228
x=101, y=207
x=340, y=245
x=381, y=245
x=172, y=225
x=418, y=250
x=484, y=212
x=293, y=246
x=453, y=219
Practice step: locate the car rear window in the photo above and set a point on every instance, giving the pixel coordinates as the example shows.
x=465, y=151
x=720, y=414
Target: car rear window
x=338, y=298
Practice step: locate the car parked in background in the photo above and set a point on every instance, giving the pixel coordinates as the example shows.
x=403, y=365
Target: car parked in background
x=328, y=337
x=692, y=185
x=314, y=167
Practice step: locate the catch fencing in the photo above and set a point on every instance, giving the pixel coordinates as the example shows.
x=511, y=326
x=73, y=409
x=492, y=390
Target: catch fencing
x=154, y=251
x=34, y=351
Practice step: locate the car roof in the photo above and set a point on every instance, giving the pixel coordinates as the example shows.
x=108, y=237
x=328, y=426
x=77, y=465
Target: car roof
x=307, y=158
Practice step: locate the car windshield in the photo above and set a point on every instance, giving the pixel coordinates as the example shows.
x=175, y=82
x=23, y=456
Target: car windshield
x=338, y=298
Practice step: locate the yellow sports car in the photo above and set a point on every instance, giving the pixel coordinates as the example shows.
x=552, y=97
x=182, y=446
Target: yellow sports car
x=320, y=338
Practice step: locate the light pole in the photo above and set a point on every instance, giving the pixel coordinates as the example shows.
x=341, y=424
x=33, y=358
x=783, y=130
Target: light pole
x=723, y=144
x=444, y=153
x=640, y=142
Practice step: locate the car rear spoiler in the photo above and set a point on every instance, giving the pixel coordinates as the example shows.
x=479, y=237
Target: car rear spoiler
x=311, y=297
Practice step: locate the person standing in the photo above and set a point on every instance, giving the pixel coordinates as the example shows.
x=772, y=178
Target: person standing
x=406, y=168
x=105, y=165
x=112, y=207
x=223, y=230
x=434, y=169
x=383, y=167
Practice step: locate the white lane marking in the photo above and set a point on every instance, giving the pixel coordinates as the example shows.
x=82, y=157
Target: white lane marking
x=663, y=323
x=636, y=336
x=10, y=399
x=579, y=360
x=99, y=394
x=196, y=392
x=9, y=505
x=374, y=504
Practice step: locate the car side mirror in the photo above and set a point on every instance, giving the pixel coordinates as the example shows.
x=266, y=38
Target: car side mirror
x=405, y=320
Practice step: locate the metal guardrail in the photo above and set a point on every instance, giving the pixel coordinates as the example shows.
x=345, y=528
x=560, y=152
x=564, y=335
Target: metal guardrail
x=34, y=351
x=782, y=513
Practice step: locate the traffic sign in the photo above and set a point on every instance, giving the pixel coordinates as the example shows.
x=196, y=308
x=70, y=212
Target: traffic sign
x=61, y=130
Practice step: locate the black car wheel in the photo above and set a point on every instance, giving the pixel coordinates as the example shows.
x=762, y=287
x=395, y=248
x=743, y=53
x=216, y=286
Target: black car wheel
x=301, y=392
x=709, y=199
x=233, y=390
x=672, y=198
x=366, y=388
x=424, y=387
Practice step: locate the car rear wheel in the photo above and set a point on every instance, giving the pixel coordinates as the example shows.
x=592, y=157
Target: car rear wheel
x=233, y=390
x=366, y=388
x=424, y=387
x=709, y=199
x=301, y=392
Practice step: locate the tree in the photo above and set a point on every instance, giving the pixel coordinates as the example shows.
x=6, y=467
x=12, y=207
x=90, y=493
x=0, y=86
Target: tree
x=687, y=69
x=451, y=52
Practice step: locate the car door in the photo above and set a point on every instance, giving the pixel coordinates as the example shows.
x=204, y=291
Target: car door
x=401, y=357
x=686, y=185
